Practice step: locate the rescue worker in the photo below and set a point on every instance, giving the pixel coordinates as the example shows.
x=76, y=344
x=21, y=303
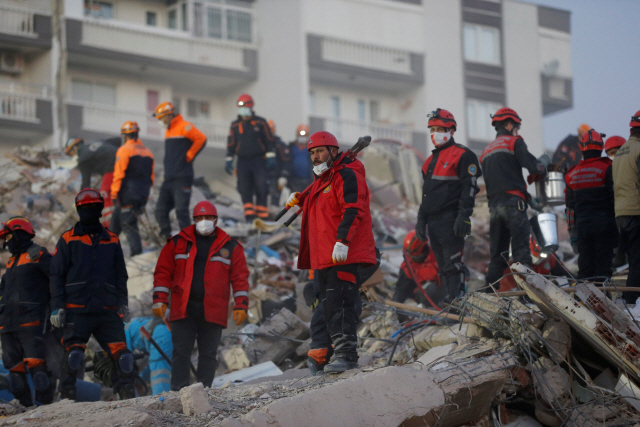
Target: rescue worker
x=197, y=267
x=419, y=268
x=626, y=178
x=251, y=140
x=182, y=143
x=448, y=195
x=97, y=158
x=300, y=167
x=24, y=293
x=158, y=371
x=89, y=296
x=336, y=240
x=502, y=163
x=590, y=209
x=611, y=147
x=568, y=153
x=132, y=180
x=281, y=170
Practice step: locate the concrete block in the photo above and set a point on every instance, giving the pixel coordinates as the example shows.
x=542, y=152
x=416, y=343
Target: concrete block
x=195, y=400
x=235, y=358
x=436, y=353
x=557, y=335
x=284, y=323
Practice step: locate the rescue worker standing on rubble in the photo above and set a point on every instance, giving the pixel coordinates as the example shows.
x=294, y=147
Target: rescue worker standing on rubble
x=197, y=267
x=419, y=268
x=89, y=296
x=448, y=195
x=132, y=180
x=24, y=293
x=626, y=179
x=590, y=209
x=251, y=140
x=336, y=240
x=502, y=163
x=182, y=143
x=281, y=170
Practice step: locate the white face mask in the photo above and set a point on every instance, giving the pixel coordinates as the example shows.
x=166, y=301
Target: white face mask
x=320, y=169
x=244, y=111
x=439, y=138
x=302, y=140
x=205, y=227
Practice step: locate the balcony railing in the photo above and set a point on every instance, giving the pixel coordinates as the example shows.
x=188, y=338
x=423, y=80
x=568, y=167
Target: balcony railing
x=17, y=21
x=18, y=101
x=348, y=131
x=164, y=44
x=367, y=56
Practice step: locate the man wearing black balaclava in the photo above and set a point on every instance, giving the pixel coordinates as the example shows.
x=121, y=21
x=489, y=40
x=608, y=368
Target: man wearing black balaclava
x=25, y=284
x=89, y=296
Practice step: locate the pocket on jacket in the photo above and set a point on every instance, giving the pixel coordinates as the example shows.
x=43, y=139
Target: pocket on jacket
x=74, y=290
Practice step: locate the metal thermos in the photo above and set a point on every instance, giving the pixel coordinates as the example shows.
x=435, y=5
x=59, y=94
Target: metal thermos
x=551, y=190
x=545, y=231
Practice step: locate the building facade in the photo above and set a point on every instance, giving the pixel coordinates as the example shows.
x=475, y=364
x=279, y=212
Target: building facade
x=80, y=68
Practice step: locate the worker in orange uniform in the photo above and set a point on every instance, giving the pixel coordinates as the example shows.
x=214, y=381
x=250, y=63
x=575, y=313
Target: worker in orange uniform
x=182, y=143
x=419, y=268
x=197, y=267
x=132, y=180
x=251, y=140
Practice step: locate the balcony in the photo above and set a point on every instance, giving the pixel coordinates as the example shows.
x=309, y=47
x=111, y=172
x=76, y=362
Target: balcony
x=353, y=64
x=161, y=54
x=25, y=109
x=25, y=27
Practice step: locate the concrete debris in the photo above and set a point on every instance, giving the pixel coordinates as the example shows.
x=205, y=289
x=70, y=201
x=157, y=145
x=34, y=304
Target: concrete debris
x=557, y=339
x=234, y=358
x=283, y=324
x=194, y=400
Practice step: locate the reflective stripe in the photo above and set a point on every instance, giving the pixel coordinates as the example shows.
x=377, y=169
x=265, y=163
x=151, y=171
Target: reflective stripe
x=161, y=380
x=220, y=259
x=161, y=289
x=444, y=178
x=181, y=256
x=240, y=294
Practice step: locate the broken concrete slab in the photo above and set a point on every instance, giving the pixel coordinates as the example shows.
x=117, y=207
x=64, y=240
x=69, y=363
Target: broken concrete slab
x=436, y=336
x=436, y=353
x=234, y=358
x=266, y=369
x=282, y=324
x=557, y=339
x=195, y=400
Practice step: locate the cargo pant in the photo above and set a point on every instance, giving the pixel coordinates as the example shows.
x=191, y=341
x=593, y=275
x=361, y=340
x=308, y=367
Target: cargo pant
x=253, y=179
x=125, y=218
x=630, y=227
x=175, y=193
x=448, y=250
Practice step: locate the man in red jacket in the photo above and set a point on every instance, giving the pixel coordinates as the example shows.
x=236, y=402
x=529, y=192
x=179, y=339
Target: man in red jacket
x=197, y=266
x=336, y=239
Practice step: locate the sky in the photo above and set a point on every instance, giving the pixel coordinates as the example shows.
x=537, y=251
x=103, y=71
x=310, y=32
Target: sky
x=605, y=59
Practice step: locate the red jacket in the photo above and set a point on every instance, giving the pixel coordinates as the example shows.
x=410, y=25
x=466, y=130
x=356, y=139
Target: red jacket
x=337, y=210
x=226, y=266
x=426, y=271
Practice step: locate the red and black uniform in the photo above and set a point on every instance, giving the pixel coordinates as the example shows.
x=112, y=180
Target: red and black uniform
x=89, y=281
x=182, y=143
x=337, y=210
x=502, y=163
x=450, y=186
x=589, y=193
x=198, y=271
x=423, y=272
x=24, y=299
x=98, y=158
x=251, y=140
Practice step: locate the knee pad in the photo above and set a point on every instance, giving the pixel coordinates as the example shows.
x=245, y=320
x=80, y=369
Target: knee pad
x=75, y=359
x=125, y=362
x=17, y=382
x=41, y=381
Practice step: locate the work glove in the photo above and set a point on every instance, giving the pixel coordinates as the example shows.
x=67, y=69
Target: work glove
x=310, y=296
x=462, y=226
x=228, y=165
x=159, y=309
x=340, y=251
x=57, y=317
x=123, y=312
x=534, y=178
x=421, y=229
x=545, y=160
x=293, y=200
x=239, y=316
x=270, y=161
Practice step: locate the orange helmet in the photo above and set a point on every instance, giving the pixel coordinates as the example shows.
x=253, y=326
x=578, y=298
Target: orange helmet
x=302, y=130
x=16, y=223
x=441, y=117
x=592, y=140
x=245, y=100
x=71, y=144
x=272, y=126
x=413, y=246
x=583, y=128
x=163, y=109
x=129, y=127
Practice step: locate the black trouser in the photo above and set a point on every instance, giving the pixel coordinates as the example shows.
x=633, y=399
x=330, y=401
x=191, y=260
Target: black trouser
x=174, y=193
x=108, y=329
x=184, y=334
x=407, y=288
x=630, y=227
x=24, y=349
x=253, y=179
x=447, y=248
x=597, y=237
x=509, y=224
x=125, y=216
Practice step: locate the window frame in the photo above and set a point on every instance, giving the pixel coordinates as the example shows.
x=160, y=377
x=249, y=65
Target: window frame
x=224, y=9
x=91, y=3
x=93, y=84
x=490, y=108
x=477, y=45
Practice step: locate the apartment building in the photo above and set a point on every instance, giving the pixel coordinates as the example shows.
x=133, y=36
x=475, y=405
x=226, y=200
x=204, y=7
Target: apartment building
x=353, y=67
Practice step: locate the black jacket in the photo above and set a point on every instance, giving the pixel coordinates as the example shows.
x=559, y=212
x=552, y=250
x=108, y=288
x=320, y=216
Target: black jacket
x=95, y=158
x=24, y=289
x=249, y=138
x=88, y=274
x=450, y=180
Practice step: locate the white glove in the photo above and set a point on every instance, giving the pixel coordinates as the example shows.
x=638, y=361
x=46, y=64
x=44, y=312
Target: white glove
x=340, y=252
x=293, y=200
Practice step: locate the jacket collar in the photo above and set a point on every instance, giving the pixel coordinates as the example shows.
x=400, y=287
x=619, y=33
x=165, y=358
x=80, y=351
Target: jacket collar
x=79, y=230
x=189, y=233
x=177, y=119
x=135, y=141
x=444, y=146
x=503, y=132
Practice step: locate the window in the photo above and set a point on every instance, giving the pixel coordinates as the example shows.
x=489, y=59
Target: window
x=152, y=19
x=312, y=103
x=374, y=111
x=238, y=26
x=231, y=20
x=362, y=110
x=177, y=103
x=98, y=9
x=172, y=19
x=93, y=93
x=153, y=100
x=557, y=88
x=479, y=119
x=197, y=109
x=481, y=44
x=214, y=23
x=335, y=107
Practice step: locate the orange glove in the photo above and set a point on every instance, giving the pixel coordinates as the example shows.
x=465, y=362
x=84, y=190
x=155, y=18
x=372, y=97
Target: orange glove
x=239, y=316
x=159, y=309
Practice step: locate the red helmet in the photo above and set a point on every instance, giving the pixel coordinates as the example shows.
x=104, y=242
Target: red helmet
x=88, y=196
x=592, y=140
x=204, y=208
x=245, y=100
x=16, y=223
x=635, y=120
x=505, y=114
x=536, y=250
x=414, y=246
x=322, y=139
x=441, y=117
x=614, y=142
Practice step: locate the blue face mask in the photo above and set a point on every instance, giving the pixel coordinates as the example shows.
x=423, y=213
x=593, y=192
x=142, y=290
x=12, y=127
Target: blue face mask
x=244, y=111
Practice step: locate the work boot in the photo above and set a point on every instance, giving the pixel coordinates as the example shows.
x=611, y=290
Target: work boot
x=317, y=359
x=341, y=364
x=314, y=367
